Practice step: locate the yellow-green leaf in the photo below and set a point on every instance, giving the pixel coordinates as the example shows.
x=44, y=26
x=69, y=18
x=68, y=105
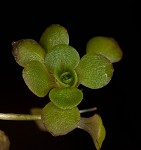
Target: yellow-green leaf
x=94, y=71
x=65, y=77
x=94, y=126
x=26, y=50
x=62, y=56
x=66, y=98
x=105, y=46
x=53, y=35
x=37, y=78
x=59, y=121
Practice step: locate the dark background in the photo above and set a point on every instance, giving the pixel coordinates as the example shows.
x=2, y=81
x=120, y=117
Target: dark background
x=116, y=102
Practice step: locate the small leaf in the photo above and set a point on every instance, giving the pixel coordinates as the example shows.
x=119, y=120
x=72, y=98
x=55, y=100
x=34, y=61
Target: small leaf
x=59, y=121
x=4, y=141
x=105, y=46
x=53, y=35
x=37, y=79
x=94, y=126
x=66, y=98
x=94, y=71
x=62, y=56
x=66, y=77
x=26, y=50
x=39, y=123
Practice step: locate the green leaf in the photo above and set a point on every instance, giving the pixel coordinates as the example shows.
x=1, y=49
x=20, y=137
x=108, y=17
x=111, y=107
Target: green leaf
x=53, y=35
x=37, y=79
x=59, y=121
x=94, y=126
x=66, y=98
x=105, y=46
x=65, y=77
x=94, y=71
x=62, y=56
x=26, y=50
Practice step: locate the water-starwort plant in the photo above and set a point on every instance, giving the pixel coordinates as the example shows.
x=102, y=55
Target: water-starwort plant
x=52, y=68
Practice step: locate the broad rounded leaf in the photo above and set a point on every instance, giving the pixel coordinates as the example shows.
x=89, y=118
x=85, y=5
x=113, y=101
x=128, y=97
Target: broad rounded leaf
x=26, y=50
x=66, y=98
x=94, y=71
x=62, y=56
x=59, y=121
x=37, y=78
x=53, y=35
x=94, y=126
x=105, y=46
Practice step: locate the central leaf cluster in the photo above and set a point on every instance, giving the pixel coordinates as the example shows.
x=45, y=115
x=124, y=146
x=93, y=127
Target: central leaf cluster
x=66, y=78
x=52, y=66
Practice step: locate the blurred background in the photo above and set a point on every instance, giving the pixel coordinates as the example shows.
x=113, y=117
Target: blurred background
x=116, y=102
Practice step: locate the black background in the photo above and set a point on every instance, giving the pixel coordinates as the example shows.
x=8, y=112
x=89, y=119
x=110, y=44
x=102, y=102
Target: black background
x=116, y=102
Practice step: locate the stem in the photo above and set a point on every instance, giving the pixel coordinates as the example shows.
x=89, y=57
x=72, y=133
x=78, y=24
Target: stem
x=26, y=117
x=19, y=117
x=88, y=110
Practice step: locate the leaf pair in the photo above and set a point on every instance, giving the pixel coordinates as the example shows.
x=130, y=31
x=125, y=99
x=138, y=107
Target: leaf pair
x=95, y=69
x=60, y=122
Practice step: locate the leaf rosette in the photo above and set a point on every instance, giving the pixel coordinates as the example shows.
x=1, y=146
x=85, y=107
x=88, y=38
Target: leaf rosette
x=53, y=63
x=53, y=67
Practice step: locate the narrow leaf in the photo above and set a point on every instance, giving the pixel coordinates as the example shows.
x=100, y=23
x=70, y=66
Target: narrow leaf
x=94, y=126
